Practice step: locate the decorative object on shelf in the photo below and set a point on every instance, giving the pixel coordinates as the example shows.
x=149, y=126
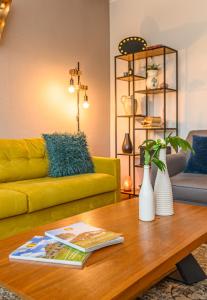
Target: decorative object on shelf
x=130, y=105
x=164, y=85
x=127, y=144
x=163, y=188
x=146, y=196
x=76, y=86
x=127, y=184
x=152, y=74
x=125, y=74
x=4, y=10
x=152, y=121
x=132, y=44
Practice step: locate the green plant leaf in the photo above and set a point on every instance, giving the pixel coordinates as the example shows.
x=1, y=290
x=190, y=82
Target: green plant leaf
x=159, y=163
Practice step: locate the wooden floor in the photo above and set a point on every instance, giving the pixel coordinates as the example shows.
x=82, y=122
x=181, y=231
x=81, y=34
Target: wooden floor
x=150, y=251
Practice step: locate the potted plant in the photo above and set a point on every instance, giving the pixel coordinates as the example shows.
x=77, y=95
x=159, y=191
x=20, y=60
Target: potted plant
x=146, y=195
x=163, y=188
x=152, y=73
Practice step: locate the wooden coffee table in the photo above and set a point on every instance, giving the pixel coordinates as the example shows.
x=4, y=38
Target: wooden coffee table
x=150, y=252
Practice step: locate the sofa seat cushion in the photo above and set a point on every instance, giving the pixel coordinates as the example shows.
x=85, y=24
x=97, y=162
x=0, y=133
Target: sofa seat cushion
x=12, y=203
x=190, y=187
x=46, y=192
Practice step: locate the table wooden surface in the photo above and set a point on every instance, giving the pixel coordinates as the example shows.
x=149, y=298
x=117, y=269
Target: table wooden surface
x=122, y=271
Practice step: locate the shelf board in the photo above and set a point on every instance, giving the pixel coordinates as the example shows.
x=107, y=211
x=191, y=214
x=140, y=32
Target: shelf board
x=131, y=116
x=128, y=154
x=131, y=78
x=130, y=192
x=156, y=91
x=147, y=53
x=138, y=166
x=155, y=128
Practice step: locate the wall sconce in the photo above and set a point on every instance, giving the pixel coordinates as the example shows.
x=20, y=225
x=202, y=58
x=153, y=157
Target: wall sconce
x=76, y=86
x=4, y=10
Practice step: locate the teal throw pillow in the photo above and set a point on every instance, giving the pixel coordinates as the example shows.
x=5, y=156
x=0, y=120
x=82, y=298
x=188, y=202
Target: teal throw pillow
x=68, y=154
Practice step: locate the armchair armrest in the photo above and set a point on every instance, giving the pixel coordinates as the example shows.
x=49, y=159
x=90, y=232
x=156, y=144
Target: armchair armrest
x=109, y=166
x=175, y=163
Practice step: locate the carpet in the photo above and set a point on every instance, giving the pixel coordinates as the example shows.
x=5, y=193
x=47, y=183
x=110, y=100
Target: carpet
x=171, y=290
x=164, y=290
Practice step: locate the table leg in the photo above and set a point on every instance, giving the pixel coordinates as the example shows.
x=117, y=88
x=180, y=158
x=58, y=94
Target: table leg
x=188, y=271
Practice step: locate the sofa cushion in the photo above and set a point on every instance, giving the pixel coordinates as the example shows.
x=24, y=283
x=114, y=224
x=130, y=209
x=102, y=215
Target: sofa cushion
x=22, y=159
x=47, y=192
x=197, y=162
x=12, y=203
x=68, y=154
x=190, y=187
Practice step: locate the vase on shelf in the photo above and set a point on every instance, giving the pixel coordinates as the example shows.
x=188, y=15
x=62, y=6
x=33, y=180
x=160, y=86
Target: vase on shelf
x=163, y=190
x=152, y=79
x=146, y=198
x=127, y=144
x=130, y=105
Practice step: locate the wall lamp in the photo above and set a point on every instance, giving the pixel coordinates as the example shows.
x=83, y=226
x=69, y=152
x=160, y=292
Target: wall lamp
x=4, y=10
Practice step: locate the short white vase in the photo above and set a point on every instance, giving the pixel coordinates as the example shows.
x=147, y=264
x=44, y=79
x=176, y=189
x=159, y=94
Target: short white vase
x=146, y=198
x=163, y=190
x=152, y=79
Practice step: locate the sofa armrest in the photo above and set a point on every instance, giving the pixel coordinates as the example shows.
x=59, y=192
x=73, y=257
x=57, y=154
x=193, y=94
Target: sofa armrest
x=175, y=163
x=109, y=166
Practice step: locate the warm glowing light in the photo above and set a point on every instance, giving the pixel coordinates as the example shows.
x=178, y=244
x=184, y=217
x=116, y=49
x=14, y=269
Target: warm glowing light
x=71, y=89
x=86, y=104
x=127, y=184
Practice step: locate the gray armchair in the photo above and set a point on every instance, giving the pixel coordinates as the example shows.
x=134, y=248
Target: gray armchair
x=187, y=187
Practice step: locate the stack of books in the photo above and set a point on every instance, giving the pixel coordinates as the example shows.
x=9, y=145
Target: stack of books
x=70, y=245
x=151, y=122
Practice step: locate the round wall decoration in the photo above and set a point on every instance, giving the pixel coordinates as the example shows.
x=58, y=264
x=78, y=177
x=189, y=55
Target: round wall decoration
x=132, y=44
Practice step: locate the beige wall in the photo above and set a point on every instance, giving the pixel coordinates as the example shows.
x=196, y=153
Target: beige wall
x=42, y=40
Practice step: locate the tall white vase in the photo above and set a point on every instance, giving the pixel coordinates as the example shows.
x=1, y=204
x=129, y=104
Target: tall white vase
x=146, y=198
x=163, y=190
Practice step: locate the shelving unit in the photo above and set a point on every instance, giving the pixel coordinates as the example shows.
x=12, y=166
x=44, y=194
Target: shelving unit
x=131, y=80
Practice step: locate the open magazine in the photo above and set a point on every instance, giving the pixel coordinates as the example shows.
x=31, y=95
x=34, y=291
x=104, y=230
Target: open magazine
x=45, y=249
x=85, y=237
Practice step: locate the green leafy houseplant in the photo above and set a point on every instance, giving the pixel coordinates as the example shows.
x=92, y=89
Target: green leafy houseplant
x=153, y=66
x=152, y=149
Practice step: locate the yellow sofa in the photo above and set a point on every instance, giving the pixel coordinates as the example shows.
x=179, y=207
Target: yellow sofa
x=28, y=197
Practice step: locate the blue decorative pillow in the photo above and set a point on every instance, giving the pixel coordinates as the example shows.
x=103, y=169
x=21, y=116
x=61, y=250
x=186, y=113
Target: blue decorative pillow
x=68, y=154
x=197, y=162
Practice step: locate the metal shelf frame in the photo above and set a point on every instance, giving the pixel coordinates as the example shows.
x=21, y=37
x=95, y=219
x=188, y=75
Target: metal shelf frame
x=130, y=80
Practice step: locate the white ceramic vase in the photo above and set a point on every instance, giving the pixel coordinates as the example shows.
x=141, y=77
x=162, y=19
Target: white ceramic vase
x=146, y=198
x=129, y=104
x=152, y=79
x=163, y=190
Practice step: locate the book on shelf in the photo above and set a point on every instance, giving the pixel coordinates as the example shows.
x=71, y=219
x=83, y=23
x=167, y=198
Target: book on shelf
x=47, y=250
x=85, y=237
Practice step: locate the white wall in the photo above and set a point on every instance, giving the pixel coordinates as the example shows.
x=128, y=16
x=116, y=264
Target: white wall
x=41, y=42
x=181, y=24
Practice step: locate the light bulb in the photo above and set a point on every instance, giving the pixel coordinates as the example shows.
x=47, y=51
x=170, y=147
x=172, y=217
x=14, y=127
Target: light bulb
x=71, y=88
x=85, y=102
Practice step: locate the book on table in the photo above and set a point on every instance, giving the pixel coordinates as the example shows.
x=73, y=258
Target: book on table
x=85, y=237
x=45, y=249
